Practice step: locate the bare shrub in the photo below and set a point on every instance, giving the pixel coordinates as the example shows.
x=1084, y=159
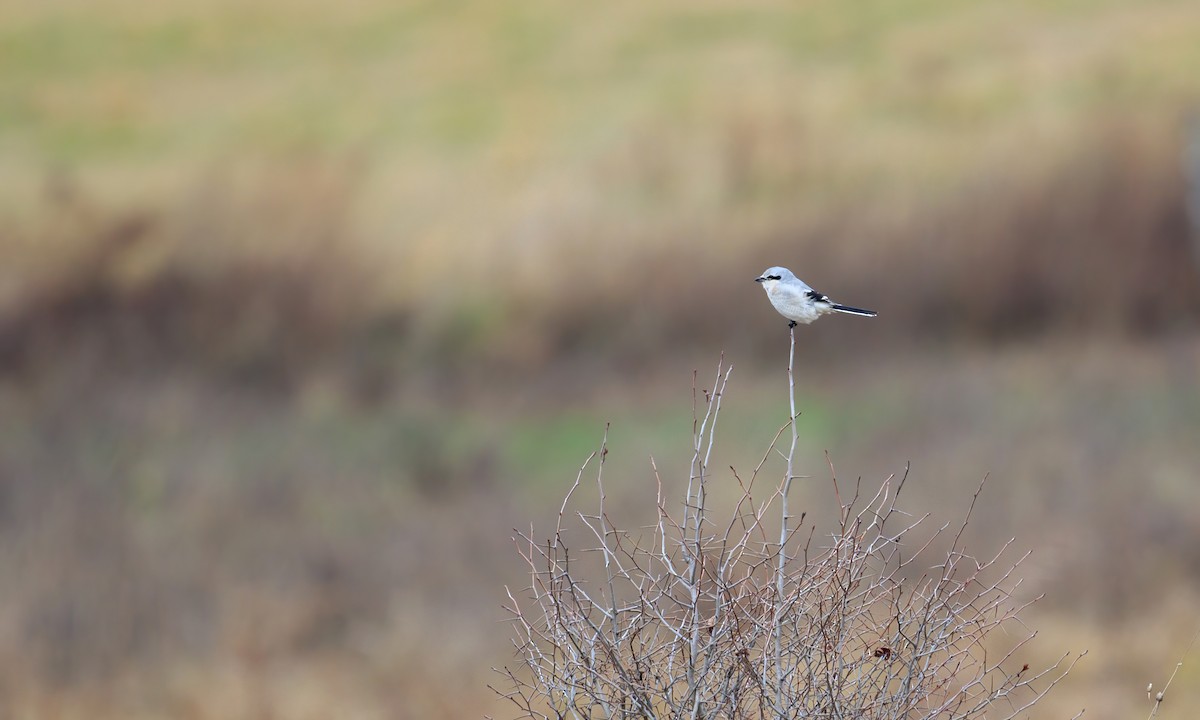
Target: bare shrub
x=752, y=616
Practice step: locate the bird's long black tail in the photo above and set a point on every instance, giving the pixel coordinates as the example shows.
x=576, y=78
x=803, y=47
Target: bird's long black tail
x=853, y=310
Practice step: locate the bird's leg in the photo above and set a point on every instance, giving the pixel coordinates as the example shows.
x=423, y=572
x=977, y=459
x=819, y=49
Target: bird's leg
x=791, y=324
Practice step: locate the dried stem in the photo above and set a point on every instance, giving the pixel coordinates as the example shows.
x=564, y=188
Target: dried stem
x=785, y=493
x=1157, y=698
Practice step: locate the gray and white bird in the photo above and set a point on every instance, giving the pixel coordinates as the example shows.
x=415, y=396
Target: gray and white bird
x=796, y=301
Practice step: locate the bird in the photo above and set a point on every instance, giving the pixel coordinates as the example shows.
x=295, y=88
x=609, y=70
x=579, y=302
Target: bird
x=798, y=302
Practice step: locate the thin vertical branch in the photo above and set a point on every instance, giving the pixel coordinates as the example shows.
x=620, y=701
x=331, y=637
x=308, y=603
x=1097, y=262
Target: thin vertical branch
x=785, y=492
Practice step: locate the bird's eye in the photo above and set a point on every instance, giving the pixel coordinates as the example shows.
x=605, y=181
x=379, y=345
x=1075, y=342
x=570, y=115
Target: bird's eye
x=774, y=277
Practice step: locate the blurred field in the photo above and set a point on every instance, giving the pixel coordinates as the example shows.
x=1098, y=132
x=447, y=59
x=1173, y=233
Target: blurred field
x=303, y=309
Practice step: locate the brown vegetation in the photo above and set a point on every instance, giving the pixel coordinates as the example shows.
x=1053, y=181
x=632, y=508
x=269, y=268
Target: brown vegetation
x=222, y=461
x=1096, y=243
x=303, y=309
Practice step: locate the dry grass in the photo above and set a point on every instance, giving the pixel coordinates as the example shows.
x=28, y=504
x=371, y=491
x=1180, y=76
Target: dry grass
x=208, y=552
x=301, y=312
x=568, y=164
x=266, y=276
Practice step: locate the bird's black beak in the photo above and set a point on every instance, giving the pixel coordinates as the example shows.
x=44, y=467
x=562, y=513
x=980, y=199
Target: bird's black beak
x=759, y=279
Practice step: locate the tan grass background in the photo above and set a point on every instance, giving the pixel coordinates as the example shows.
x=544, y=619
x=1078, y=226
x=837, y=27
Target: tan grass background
x=304, y=307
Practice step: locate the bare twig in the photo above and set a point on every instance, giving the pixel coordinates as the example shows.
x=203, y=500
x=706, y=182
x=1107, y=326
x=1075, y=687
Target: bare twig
x=1158, y=697
x=702, y=616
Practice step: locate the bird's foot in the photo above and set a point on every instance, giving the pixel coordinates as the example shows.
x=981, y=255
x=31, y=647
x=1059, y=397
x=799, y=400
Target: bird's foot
x=791, y=324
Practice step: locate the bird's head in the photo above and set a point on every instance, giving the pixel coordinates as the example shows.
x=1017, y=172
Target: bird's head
x=773, y=275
